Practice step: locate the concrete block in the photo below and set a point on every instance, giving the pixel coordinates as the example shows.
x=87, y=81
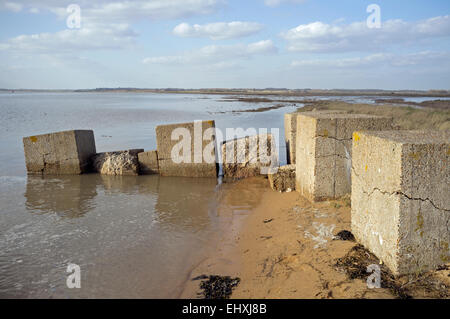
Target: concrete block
x=148, y=163
x=324, y=151
x=400, y=197
x=290, y=130
x=67, y=152
x=190, y=153
x=283, y=178
x=249, y=156
x=117, y=163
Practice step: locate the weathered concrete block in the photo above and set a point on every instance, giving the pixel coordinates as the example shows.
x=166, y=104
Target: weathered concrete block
x=117, y=163
x=148, y=163
x=324, y=151
x=67, y=152
x=187, y=149
x=400, y=197
x=290, y=130
x=283, y=178
x=249, y=156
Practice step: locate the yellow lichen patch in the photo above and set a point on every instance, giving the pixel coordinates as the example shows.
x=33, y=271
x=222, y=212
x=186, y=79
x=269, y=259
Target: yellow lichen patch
x=325, y=133
x=415, y=156
x=419, y=223
x=366, y=168
x=356, y=137
x=445, y=257
x=33, y=139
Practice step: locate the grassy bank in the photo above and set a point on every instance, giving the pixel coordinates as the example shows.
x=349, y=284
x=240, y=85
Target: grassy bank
x=405, y=117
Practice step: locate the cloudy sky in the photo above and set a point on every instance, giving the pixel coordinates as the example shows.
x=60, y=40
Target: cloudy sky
x=224, y=43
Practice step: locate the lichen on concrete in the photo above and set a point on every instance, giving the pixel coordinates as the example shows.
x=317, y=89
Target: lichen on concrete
x=400, y=202
x=324, y=151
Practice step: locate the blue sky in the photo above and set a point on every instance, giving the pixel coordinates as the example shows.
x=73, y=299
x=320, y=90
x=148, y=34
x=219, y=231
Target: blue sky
x=225, y=43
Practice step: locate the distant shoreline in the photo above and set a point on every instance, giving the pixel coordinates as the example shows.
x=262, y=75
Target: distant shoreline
x=266, y=92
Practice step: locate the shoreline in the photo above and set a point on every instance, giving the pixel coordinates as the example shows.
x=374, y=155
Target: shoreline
x=251, y=92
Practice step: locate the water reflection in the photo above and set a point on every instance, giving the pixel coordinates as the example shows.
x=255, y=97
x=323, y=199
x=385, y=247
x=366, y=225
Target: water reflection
x=130, y=184
x=67, y=196
x=184, y=201
x=155, y=228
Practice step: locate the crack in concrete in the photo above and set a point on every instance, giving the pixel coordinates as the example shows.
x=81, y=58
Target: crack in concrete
x=331, y=155
x=334, y=138
x=408, y=197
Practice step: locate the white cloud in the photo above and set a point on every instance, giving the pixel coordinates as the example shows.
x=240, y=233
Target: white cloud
x=379, y=60
x=217, y=53
x=122, y=10
x=91, y=37
x=218, y=30
x=12, y=6
x=322, y=37
x=276, y=3
x=104, y=24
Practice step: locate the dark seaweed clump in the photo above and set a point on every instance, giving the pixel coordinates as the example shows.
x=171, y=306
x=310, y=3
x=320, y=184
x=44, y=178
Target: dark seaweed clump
x=217, y=287
x=355, y=264
x=345, y=235
x=419, y=285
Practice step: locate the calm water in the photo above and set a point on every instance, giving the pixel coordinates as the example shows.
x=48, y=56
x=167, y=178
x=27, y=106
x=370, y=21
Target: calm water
x=133, y=237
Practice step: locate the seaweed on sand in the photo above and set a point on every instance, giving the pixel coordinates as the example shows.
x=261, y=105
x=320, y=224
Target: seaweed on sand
x=217, y=287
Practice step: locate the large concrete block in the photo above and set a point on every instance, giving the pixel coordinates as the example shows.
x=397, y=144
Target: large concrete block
x=249, y=156
x=117, y=163
x=400, y=197
x=324, y=151
x=290, y=130
x=283, y=178
x=187, y=149
x=148, y=163
x=67, y=152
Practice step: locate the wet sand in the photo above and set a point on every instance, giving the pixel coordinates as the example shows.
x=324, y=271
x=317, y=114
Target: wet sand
x=286, y=248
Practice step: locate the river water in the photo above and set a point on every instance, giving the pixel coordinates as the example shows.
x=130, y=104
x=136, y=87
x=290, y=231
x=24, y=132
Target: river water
x=133, y=237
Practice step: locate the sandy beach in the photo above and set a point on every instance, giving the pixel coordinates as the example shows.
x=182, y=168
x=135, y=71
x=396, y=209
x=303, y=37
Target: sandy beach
x=287, y=248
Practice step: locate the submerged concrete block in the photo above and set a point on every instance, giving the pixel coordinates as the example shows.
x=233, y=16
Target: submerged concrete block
x=249, y=156
x=400, y=197
x=324, y=151
x=117, y=163
x=67, y=152
x=290, y=131
x=148, y=163
x=187, y=149
x=283, y=178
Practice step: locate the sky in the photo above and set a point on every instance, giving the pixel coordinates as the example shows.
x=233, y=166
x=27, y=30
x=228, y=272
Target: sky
x=322, y=44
